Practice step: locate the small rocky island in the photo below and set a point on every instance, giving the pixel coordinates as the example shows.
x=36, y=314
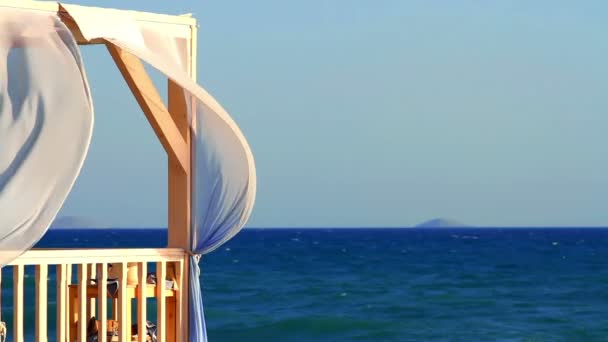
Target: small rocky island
x=441, y=223
x=74, y=222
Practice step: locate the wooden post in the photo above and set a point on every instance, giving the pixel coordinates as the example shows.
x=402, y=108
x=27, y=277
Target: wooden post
x=180, y=186
x=179, y=179
x=179, y=200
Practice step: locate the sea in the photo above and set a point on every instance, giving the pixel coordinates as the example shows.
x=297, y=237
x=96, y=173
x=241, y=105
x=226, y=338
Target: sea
x=473, y=284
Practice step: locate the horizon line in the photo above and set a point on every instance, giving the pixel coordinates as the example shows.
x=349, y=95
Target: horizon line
x=357, y=227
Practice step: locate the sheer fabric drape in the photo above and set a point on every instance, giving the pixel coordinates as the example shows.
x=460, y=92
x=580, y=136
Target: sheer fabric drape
x=46, y=120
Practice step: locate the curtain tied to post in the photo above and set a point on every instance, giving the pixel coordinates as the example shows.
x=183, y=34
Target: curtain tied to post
x=224, y=175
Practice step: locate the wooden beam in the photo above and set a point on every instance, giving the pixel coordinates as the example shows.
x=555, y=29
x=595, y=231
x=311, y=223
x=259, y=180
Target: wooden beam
x=178, y=25
x=51, y=6
x=152, y=105
x=73, y=27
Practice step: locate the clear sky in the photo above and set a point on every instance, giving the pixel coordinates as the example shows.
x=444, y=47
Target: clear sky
x=380, y=113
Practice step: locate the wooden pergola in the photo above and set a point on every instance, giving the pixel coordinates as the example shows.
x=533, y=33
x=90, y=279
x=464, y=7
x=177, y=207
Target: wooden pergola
x=172, y=127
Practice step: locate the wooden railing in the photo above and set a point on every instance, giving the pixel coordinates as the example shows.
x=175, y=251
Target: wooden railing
x=83, y=292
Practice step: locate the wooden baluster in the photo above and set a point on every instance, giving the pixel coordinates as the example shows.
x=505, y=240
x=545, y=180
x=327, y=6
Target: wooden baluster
x=161, y=308
x=123, y=321
x=18, y=272
x=102, y=300
x=179, y=300
x=70, y=323
x=141, y=301
x=41, y=302
x=69, y=273
x=91, y=274
x=82, y=302
x=62, y=302
x=171, y=305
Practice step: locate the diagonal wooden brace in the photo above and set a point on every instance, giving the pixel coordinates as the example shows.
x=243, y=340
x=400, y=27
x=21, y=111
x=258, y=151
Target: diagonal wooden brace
x=152, y=105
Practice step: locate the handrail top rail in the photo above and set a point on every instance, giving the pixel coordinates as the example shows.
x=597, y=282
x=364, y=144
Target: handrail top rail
x=89, y=255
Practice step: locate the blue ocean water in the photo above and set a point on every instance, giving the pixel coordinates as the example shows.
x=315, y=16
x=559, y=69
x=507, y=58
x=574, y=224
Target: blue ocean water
x=394, y=284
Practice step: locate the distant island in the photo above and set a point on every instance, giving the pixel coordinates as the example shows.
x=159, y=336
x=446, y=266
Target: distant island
x=72, y=222
x=441, y=223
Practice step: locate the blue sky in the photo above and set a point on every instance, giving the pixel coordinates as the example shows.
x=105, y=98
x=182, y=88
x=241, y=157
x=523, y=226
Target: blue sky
x=380, y=113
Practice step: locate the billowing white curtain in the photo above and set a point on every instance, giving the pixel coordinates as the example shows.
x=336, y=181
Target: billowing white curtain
x=224, y=183
x=46, y=121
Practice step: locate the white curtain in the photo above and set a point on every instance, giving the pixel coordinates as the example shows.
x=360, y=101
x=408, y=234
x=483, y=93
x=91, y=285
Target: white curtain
x=46, y=121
